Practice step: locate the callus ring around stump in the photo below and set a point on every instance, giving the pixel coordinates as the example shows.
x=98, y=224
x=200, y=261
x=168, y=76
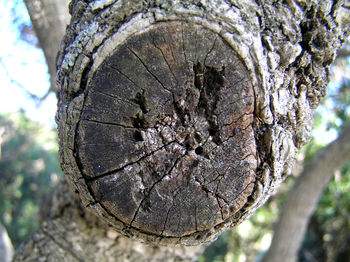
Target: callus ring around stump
x=165, y=142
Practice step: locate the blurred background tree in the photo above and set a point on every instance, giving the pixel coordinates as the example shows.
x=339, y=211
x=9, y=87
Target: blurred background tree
x=29, y=168
x=328, y=234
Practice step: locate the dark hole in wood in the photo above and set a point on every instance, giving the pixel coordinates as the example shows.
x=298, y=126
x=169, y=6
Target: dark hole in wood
x=212, y=132
x=138, y=121
x=141, y=101
x=199, y=150
x=138, y=136
x=197, y=137
x=188, y=146
x=179, y=102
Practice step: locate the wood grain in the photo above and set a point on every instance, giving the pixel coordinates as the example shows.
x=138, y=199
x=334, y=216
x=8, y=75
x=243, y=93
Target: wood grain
x=165, y=140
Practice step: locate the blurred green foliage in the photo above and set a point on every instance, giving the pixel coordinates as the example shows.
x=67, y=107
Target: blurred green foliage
x=328, y=235
x=28, y=169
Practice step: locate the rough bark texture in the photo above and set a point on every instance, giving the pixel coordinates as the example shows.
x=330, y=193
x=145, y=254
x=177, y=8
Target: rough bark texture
x=177, y=119
x=302, y=200
x=49, y=16
x=6, y=248
x=70, y=233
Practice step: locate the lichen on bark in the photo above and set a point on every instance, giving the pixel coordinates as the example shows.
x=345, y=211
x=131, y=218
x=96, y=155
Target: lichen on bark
x=178, y=119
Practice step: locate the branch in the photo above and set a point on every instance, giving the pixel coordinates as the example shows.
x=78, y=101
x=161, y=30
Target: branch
x=49, y=19
x=69, y=233
x=302, y=199
x=6, y=249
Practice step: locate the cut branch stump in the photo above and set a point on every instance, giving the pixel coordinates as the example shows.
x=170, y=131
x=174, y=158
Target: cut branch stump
x=177, y=120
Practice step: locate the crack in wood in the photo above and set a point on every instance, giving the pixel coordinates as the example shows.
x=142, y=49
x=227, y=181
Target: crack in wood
x=114, y=97
x=172, y=168
x=128, y=164
x=148, y=70
x=62, y=246
x=126, y=76
x=164, y=57
x=108, y=123
x=168, y=173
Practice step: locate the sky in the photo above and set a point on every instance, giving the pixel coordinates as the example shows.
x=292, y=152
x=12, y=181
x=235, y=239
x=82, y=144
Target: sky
x=23, y=71
x=23, y=68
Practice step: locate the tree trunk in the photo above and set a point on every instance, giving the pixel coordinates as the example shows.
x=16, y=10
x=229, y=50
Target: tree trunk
x=6, y=248
x=302, y=199
x=178, y=119
x=49, y=19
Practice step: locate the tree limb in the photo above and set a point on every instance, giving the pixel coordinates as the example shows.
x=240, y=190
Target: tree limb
x=49, y=19
x=303, y=197
x=70, y=233
x=179, y=119
x=6, y=248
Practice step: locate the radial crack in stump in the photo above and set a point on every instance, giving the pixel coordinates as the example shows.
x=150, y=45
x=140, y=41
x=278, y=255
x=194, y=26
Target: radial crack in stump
x=164, y=141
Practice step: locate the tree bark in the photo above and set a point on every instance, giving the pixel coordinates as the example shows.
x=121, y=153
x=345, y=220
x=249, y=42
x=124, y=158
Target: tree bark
x=70, y=233
x=154, y=90
x=49, y=19
x=172, y=137
x=302, y=199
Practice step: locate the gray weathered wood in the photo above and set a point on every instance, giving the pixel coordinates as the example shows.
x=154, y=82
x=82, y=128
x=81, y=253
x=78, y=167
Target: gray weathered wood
x=165, y=139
